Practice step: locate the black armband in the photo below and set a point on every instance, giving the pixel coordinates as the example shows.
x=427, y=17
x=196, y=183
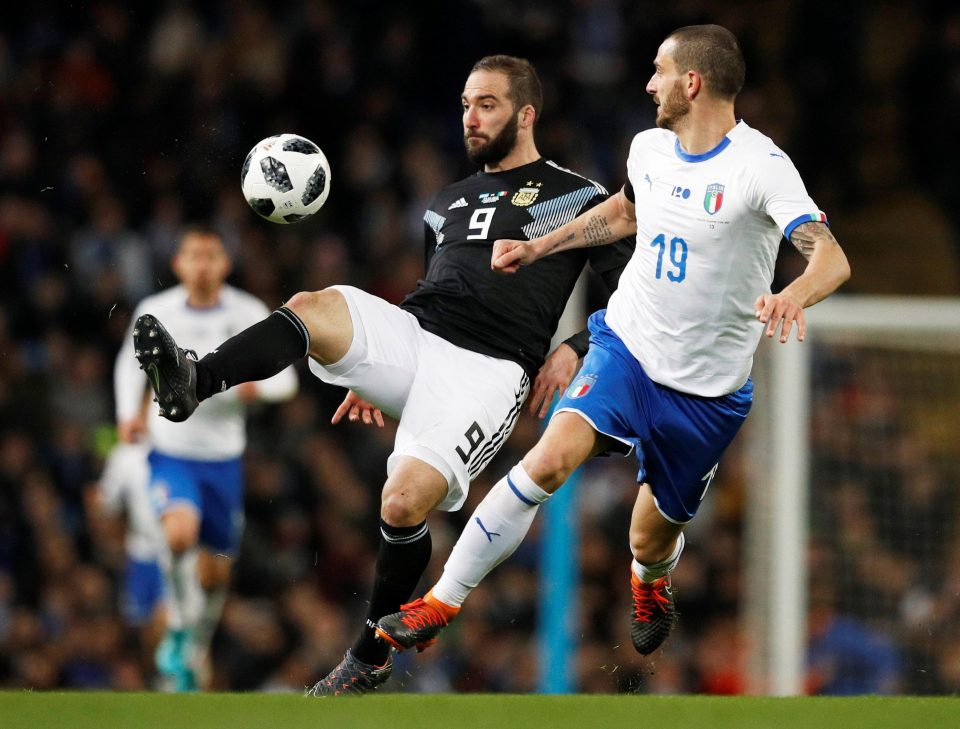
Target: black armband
x=579, y=343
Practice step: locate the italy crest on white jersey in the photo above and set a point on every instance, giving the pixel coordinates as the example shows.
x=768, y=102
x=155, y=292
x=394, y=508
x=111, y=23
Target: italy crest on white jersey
x=708, y=231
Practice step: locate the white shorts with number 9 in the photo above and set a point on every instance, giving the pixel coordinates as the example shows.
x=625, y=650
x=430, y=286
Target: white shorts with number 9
x=455, y=407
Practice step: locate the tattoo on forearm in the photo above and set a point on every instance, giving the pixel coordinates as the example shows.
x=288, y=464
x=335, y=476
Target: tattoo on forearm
x=570, y=237
x=596, y=231
x=806, y=236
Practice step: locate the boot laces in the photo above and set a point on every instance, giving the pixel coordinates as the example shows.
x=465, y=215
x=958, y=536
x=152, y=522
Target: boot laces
x=649, y=598
x=419, y=614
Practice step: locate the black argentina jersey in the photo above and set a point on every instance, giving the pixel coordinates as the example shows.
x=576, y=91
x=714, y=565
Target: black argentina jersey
x=506, y=316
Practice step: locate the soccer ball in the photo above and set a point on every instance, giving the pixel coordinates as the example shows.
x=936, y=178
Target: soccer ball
x=285, y=178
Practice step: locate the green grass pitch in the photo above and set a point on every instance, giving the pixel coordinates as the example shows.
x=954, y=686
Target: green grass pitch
x=95, y=710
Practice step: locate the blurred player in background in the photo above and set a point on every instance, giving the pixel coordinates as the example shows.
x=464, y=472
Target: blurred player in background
x=124, y=488
x=668, y=369
x=196, y=471
x=453, y=362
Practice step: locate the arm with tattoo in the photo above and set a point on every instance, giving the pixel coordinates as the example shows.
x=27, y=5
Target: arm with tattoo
x=826, y=269
x=609, y=221
x=827, y=265
x=806, y=236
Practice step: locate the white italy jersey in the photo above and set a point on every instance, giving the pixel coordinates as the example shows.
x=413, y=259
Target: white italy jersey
x=708, y=231
x=217, y=430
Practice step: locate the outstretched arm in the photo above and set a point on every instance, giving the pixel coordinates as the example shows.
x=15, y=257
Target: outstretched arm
x=611, y=220
x=826, y=270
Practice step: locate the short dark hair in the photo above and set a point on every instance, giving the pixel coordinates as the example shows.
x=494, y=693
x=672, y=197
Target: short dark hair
x=714, y=53
x=201, y=230
x=525, y=85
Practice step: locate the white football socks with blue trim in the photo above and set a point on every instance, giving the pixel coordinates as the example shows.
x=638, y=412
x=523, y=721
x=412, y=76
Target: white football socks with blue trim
x=494, y=531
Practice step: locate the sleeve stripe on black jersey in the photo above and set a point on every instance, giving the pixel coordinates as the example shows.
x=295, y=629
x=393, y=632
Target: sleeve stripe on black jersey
x=484, y=455
x=436, y=223
x=551, y=214
x=600, y=188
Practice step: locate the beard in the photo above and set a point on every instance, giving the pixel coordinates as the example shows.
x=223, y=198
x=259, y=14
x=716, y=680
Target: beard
x=673, y=108
x=493, y=150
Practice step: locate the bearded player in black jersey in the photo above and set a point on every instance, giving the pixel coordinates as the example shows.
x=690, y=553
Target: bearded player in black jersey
x=453, y=363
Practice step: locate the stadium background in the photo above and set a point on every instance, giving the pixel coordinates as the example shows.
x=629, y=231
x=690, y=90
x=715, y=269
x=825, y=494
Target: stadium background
x=120, y=121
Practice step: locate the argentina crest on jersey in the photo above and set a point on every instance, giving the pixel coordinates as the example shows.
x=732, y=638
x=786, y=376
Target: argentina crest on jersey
x=527, y=195
x=714, y=198
x=581, y=386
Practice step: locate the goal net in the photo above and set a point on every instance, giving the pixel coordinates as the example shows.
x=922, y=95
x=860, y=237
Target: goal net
x=852, y=538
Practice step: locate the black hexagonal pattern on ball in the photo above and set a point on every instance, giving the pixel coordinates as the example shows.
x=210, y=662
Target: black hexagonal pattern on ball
x=262, y=205
x=275, y=174
x=315, y=185
x=303, y=146
x=246, y=166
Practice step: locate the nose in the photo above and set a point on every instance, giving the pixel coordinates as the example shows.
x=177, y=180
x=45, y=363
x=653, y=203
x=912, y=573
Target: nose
x=470, y=118
x=651, y=85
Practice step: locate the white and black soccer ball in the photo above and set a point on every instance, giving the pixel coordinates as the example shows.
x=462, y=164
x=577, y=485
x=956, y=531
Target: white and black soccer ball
x=285, y=178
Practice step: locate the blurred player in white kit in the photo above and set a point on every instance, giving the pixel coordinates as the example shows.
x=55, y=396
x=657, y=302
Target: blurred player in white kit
x=196, y=471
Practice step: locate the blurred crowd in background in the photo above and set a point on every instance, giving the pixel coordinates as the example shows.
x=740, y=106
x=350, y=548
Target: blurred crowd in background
x=121, y=122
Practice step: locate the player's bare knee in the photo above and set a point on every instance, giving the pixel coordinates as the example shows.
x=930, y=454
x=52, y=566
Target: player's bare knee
x=181, y=528
x=401, y=508
x=548, y=468
x=327, y=317
x=310, y=305
x=650, y=548
x=179, y=539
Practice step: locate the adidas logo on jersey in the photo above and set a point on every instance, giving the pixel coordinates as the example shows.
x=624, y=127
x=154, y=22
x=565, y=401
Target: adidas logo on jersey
x=461, y=203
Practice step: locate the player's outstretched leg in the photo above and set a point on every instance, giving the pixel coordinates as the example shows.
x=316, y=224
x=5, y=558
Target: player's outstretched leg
x=653, y=613
x=352, y=676
x=418, y=624
x=170, y=369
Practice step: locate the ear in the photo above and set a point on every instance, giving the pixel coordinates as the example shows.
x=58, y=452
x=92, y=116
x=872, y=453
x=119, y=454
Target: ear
x=527, y=116
x=694, y=84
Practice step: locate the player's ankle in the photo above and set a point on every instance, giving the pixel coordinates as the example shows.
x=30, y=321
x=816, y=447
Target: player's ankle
x=448, y=611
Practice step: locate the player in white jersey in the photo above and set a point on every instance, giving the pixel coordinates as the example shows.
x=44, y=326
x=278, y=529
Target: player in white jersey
x=196, y=469
x=668, y=368
x=124, y=488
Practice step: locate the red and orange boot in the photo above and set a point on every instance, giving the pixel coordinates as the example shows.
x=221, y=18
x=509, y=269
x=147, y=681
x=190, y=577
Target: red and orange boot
x=418, y=624
x=653, y=613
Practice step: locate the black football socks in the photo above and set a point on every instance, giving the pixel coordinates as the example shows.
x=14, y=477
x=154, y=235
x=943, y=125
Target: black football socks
x=402, y=560
x=256, y=353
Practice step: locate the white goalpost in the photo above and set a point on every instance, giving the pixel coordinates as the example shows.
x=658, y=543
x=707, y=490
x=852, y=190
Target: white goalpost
x=841, y=423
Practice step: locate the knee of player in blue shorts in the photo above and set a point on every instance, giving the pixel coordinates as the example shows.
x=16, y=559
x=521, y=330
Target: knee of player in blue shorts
x=548, y=467
x=652, y=545
x=181, y=531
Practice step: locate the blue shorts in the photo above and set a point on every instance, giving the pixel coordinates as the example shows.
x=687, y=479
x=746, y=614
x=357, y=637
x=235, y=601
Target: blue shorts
x=679, y=438
x=142, y=591
x=213, y=488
